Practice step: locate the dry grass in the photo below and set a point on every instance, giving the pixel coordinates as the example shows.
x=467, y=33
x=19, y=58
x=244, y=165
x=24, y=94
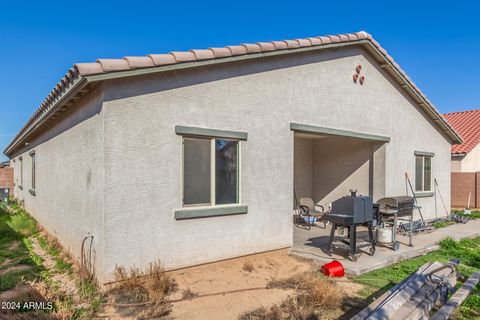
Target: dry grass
x=148, y=288
x=315, y=296
x=248, y=266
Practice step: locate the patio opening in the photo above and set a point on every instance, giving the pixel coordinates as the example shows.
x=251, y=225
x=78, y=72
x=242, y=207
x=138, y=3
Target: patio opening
x=326, y=167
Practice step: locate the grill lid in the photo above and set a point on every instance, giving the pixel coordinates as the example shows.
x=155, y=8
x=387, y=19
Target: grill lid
x=396, y=201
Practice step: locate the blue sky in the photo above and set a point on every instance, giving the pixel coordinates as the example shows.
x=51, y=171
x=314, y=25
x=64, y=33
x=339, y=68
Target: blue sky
x=438, y=45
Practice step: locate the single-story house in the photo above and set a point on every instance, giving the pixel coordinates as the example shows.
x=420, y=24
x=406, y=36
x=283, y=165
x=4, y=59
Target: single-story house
x=192, y=157
x=466, y=156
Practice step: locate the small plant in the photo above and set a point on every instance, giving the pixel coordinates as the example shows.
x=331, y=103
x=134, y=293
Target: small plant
x=149, y=287
x=315, y=296
x=440, y=224
x=248, y=266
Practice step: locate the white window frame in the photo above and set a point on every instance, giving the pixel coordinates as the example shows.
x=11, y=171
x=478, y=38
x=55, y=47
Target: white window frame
x=212, y=173
x=423, y=172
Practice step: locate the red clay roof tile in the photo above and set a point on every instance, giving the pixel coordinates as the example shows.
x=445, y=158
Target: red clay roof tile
x=183, y=56
x=139, y=62
x=162, y=59
x=315, y=41
x=88, y=68
x=113, y=64
x=221, y=52
x=467, y=124
x=304, y=42
x=292, y=44
x=325, y=39
x=203, y=54
x=280, y=45
x=252, y=48
x=237, y=50
x=266, y=46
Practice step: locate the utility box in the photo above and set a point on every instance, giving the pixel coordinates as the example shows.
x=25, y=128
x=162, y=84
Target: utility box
x=4, y=194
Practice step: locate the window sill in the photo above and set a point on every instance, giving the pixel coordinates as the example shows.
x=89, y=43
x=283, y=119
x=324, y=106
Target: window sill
x=32, y=192
x=20, y=187
x=424, y=194
x=194, y=213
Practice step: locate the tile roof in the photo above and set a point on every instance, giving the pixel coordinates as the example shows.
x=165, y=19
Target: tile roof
x=467, y=124
x=152, y=60
x=81, y=71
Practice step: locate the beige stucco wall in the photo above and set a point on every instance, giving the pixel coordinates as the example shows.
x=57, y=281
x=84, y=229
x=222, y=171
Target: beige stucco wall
x=340, y=165
x=143, y=153
x=469, y=163
x=304, y=163
x=115, y=169
x=456, y=165
x=69, y=178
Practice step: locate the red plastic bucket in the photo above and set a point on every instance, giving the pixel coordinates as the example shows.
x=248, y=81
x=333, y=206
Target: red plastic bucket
x=333, y=269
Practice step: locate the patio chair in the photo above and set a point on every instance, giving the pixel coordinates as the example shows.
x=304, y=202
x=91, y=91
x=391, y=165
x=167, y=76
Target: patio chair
x=308, y=208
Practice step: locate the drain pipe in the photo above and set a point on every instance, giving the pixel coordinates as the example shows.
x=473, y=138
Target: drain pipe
x=82, y=253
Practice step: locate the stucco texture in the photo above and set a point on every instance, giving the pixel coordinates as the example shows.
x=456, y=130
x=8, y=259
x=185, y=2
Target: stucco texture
x=135, y=157
x=68, y=200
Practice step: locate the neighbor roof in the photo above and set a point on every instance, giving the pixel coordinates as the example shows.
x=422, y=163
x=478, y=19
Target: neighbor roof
x=82, y=76
x=467, y=124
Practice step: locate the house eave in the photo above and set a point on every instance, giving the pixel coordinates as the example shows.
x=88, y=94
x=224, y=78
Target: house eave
x=71, y=94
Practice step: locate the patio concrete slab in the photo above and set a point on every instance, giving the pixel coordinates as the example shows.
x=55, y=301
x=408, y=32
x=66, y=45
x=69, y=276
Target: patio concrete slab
x=312, y=244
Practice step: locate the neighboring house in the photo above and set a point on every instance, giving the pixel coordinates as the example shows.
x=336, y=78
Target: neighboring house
x=466, y=159
x=466, y=156
x=192, y=157
x=6, y=180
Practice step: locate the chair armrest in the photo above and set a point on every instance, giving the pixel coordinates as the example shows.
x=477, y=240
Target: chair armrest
x=304, y=210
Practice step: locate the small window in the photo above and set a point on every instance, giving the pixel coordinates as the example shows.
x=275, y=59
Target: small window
x=33, y=170
x=423, y=173
x=210, y=171
x=21, y=171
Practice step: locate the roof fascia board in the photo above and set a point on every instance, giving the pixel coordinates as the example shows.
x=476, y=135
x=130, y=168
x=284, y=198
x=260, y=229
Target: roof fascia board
x=305, y=128
x=211, y=133
x=424, y=153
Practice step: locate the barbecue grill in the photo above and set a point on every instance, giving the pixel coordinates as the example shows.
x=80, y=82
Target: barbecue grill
x=393, y=209
x=403, y=205
x=350, y=211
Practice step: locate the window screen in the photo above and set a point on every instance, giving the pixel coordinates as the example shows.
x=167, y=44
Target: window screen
x=21, y=171
x=33, y=171
x=418, y=173
x=226, y=171
x=423, y=173
x=427, y=174
x=196, y=171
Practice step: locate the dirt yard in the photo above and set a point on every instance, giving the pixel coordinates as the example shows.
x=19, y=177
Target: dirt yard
x=225, y=290
x=228, y=289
